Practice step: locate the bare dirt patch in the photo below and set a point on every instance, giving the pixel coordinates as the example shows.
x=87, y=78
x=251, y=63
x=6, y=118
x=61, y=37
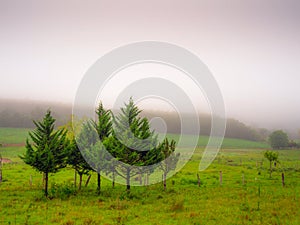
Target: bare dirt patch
x=6, y=160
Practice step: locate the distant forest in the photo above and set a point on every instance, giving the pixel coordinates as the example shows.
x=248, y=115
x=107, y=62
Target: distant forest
x=21, y=113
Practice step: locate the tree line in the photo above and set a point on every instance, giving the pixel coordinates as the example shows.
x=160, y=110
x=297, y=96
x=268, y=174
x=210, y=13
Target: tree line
x=280, y=140
x=21, y=113
x=122, y=145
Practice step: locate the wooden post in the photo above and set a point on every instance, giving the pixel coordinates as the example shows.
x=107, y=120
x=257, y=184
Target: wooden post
x=141, y=178
x=165, y=181
x=30, y=180
x=198, y=178
x=243, y=179
x=145, y=179
x=148, y=178
x=0, y=168
x=282, y=179
x=221, y=178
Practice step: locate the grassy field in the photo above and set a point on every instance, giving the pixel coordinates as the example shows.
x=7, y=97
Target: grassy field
x=13, y=135
x=247, y=194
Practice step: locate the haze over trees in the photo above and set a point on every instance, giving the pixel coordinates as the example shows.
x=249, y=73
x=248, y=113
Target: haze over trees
x=17, y=113
x=279, y=139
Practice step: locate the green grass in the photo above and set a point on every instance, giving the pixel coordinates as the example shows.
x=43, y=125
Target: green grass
x=227, y=143
x=182, y=203
x=13, y=135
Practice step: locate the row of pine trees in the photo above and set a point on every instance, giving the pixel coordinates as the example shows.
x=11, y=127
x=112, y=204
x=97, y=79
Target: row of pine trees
x=122, y=145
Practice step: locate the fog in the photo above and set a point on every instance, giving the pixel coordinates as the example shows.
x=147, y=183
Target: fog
x=251, y=47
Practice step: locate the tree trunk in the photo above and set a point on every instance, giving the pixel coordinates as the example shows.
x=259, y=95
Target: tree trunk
x=98, y=183
x=141, y=178
x=75, y=178
x=128, y=179
x=113, y=179
x=270, y=169
x=87, y=181
x=0, y=167
x=0, y=174
x=46, y=184
x=165, y=181
x=80, y=181
x=147, y=178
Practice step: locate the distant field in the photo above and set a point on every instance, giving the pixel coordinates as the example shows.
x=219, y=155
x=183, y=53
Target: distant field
x=227, y=142
x=19, y=135
x=13, y=135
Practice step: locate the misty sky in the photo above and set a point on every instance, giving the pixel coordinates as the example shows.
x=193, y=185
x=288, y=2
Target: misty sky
x=251, y=47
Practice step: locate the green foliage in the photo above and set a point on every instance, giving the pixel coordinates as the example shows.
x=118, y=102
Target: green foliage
x=91, y=148
x=99, y=157
x=133, y=143
x=77, y=161
x=62, y=191
x=74, y=156
x=170, y=159
x=103, y=124
x=272, y=157
x=279, y=139
x=48, y=150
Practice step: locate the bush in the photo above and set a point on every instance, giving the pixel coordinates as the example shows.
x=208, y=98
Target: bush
x=62, y=191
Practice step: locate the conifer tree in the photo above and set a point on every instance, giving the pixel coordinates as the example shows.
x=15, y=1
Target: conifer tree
x=103, y=126
x=77, y=162
x=132, y=142
x=48, y=148
x=74, y=156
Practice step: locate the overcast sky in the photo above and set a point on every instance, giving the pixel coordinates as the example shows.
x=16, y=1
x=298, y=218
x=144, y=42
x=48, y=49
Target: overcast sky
x=251, y=47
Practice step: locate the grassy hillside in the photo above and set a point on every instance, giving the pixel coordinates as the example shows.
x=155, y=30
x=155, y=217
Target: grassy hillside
x=13, y=135
x=227, y=142
x=246, y=196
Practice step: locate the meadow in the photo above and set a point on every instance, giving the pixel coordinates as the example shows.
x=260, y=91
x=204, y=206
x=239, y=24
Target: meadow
x=246, y=194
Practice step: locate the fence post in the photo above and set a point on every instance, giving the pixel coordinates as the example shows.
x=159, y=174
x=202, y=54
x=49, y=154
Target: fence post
x=243, y=178
x=0, y=167
x=30, y=180
x=221, y=177
x=198, y=178
x=282, y=179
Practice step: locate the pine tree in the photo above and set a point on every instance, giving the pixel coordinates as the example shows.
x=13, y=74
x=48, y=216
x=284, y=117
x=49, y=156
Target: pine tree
x=132, y=142
x=103, y=126
x=74, y=156
x=48, y=150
